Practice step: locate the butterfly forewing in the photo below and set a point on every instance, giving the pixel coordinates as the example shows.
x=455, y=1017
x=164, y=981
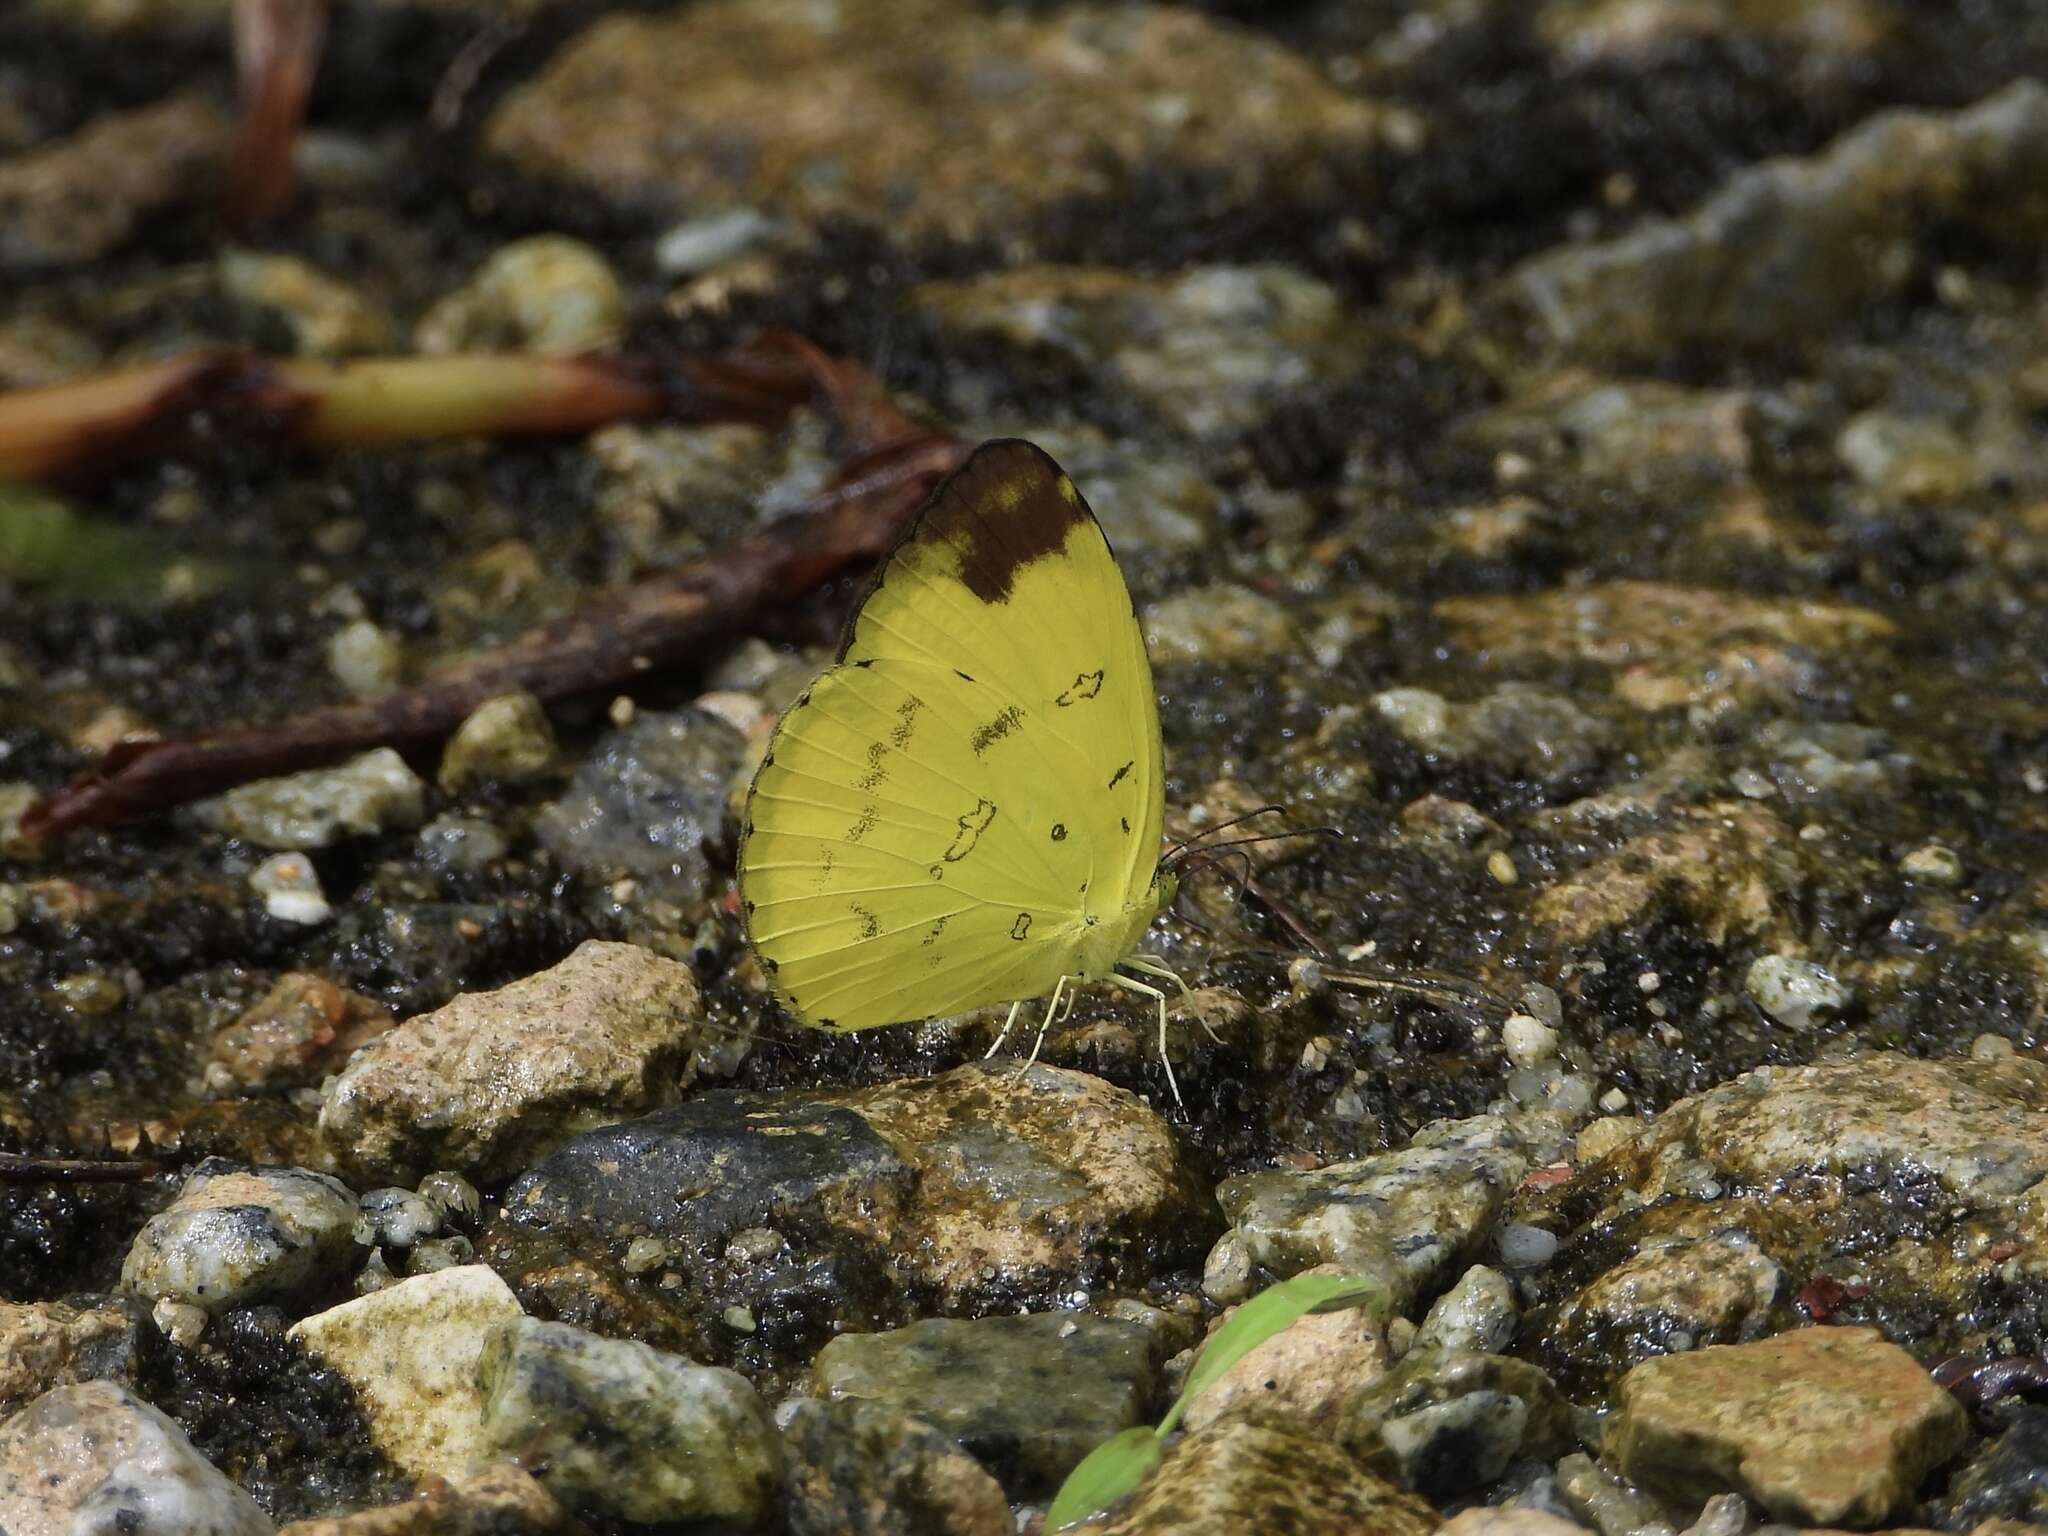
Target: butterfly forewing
x=947, y=812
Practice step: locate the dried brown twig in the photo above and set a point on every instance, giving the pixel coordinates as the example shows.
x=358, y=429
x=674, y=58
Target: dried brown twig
x=891, y=466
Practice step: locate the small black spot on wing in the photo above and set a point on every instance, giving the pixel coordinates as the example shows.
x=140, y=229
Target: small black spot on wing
x=865, y=921
x=962, y=675
x=869, y=815
x=1059, y=831
x=1021, y=928
x=906, y=722
x=1124, y=822
x=969, y=830
x=1084, y=686
x=876, y=775
x=1118, y=777
x=996, y=729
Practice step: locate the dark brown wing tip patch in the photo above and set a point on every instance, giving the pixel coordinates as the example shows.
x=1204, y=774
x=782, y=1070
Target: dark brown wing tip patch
x=1007, y=506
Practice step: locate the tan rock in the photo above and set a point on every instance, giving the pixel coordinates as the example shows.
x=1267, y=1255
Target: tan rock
x=1265, y=1470
x=498, y=1501
x=495, y=1080
x=809, y=112
x=45, y=1344
x=1310, y=1367
x=76, y=200
x=1820, y=1426
x=1486, y=1521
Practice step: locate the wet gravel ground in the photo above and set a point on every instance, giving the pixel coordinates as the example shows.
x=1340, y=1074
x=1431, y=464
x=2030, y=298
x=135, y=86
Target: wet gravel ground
x=1591, y=454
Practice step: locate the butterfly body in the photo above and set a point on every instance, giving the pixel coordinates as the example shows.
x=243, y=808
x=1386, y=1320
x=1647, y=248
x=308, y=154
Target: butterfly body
x=966, y=809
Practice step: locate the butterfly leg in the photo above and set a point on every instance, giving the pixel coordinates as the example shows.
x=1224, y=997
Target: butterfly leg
x=1146, y=990
x=1150, y=967
x=1004, y=1033
x=1058, y=988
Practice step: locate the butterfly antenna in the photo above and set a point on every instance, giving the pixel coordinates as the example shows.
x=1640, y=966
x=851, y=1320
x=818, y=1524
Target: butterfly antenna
x=1222, y=826
x=1266, y=837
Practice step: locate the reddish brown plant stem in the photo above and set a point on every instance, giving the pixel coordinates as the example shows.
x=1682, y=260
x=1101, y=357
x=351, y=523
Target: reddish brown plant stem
x=656, y=623
x=277, y=54
x=85, y=426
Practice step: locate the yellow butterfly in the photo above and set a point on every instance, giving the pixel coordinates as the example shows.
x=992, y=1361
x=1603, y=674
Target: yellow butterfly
x=966, y=809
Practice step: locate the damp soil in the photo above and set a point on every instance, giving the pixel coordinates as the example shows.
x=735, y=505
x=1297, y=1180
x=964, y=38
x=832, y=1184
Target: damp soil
x=1374, y=470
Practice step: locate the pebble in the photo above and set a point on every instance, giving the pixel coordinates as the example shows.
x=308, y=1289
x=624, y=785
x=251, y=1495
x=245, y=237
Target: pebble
x=1028, y=1396
x=461, y=845
x=455, y=1195
x=396, y=1218
x=95, y=1458
x=372, y=793
x=1444, y=1422
x=980, y=1186
x=136, y=162
x=626, y=1431
x=504, y=740
x=494, y=1079
x=1527, y=1040
x=1525, y=1247
x=236, y=1236
x=1932, y=864
x=411, y=1351
x=290, y=888
x=699, y=244
x=1477, y=1315
x=365, y=658
x=545, y=293
x=1797, y=993
x=298, y=1031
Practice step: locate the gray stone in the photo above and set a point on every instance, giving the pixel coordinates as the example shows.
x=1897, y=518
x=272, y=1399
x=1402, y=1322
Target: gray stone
x=1516, y=730
x=236, y=1236
x=1444, y=1422
x=1477, y=1315
x=643, y=805
x=397, y=1218
x=1003, y=121
x=95, y=1460
x=1405, y=1219
x=623, y=1430
x=1028, y=1396
x=1797, y=993
x=372, y=793
x=1211, y=350
x=505, y=740
x=1794, y=247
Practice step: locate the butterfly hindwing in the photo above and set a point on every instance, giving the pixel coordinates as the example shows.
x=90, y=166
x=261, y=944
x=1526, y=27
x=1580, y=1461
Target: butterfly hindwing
x=946, y=814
